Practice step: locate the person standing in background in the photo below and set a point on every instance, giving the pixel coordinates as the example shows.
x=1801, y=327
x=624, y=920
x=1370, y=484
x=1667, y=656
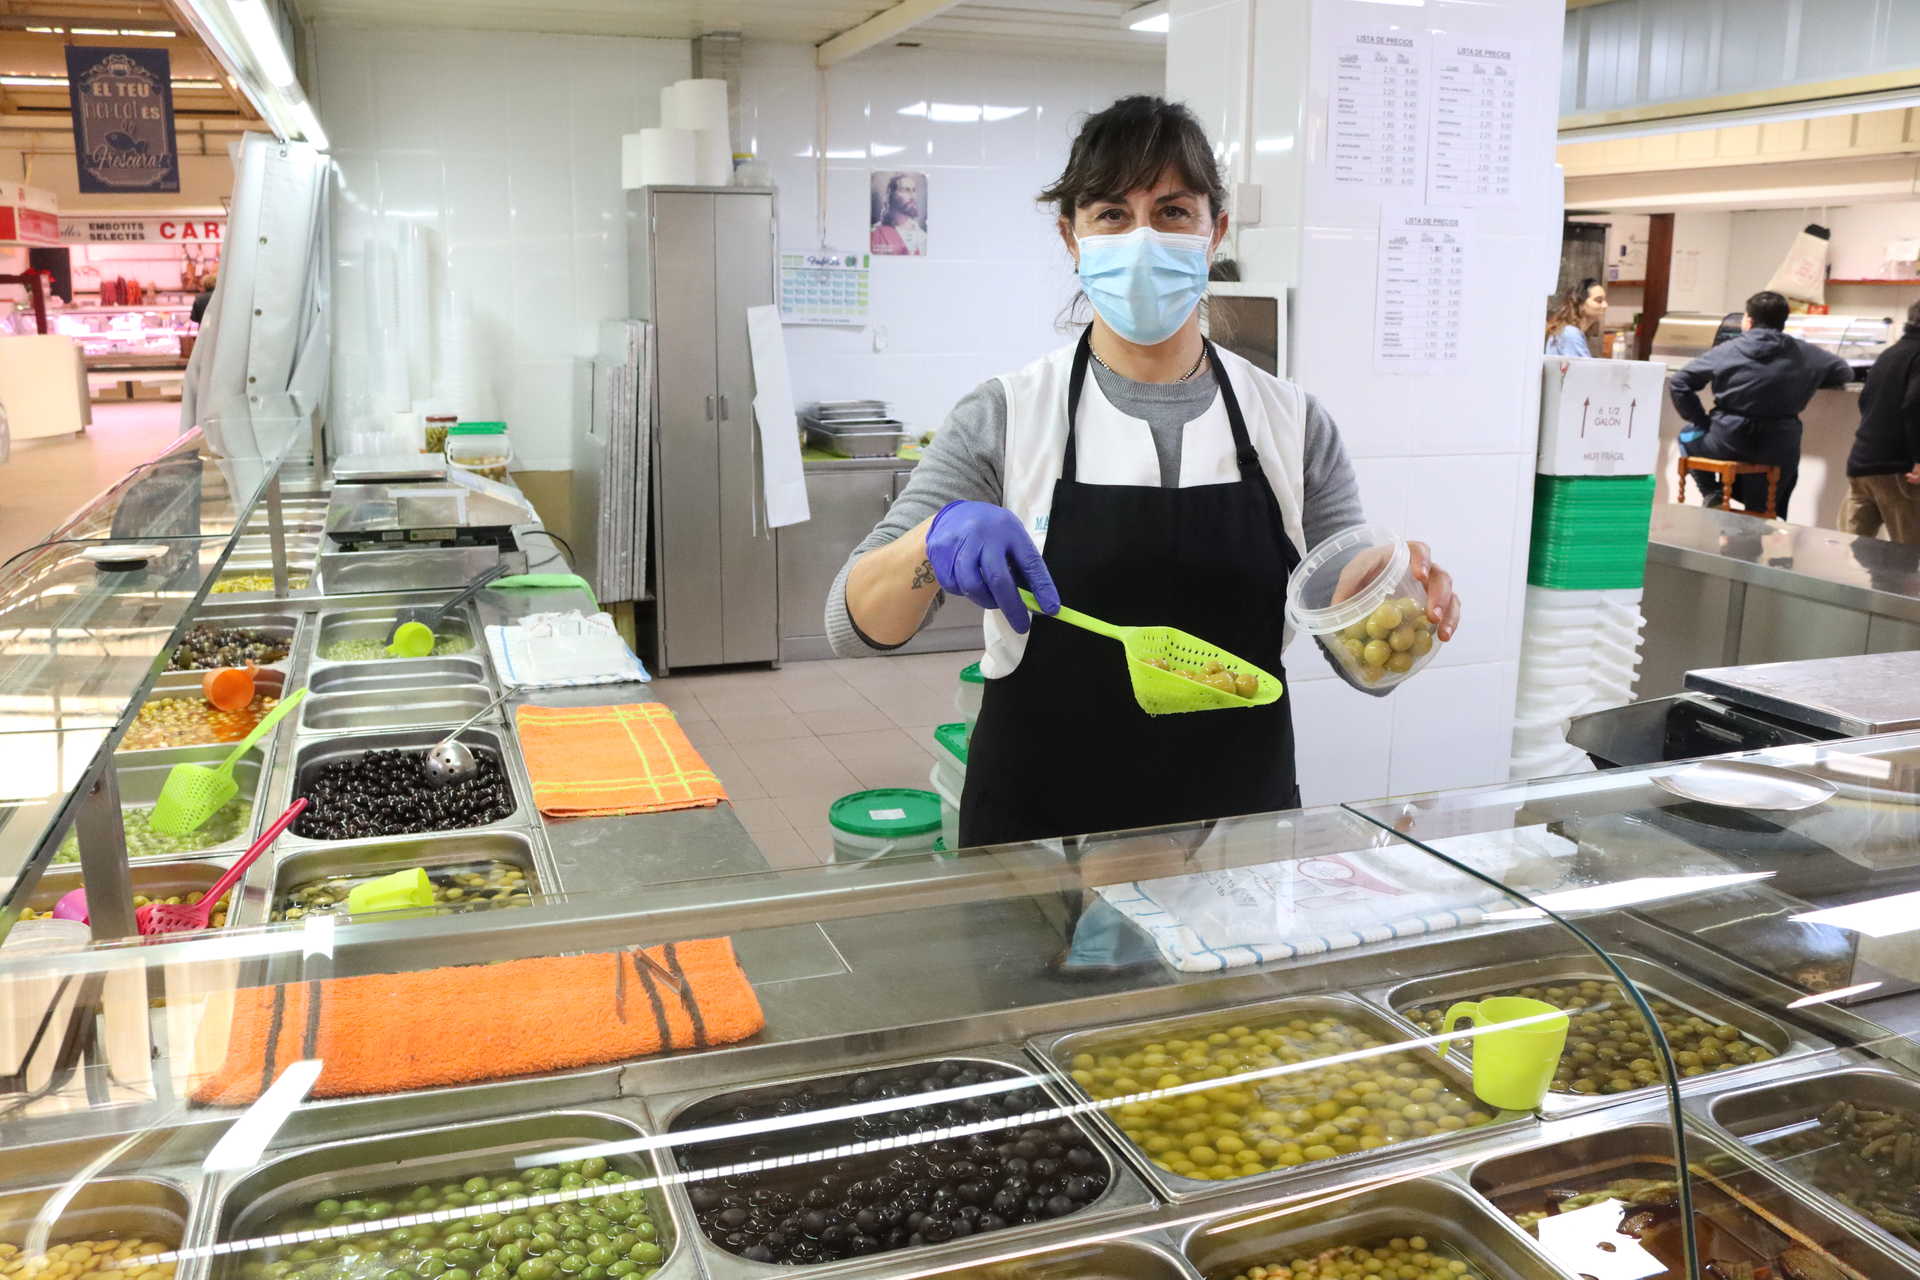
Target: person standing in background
x=1761, y=381
x=1577, y=314
x=205, y=296
x=1883, y=470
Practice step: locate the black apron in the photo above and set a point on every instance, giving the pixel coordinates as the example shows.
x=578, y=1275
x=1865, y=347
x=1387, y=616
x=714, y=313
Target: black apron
x=1061, y=747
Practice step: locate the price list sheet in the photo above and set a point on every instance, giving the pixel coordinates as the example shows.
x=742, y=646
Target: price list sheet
x=1475, y=99
x=1420, y=311
x=1375, y=109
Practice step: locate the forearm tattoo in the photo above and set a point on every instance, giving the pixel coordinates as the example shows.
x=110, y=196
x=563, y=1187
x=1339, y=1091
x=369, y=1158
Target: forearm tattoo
x=923, y=575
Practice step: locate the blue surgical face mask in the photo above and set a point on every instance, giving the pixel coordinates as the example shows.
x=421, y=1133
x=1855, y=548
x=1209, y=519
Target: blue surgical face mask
x=1145, y=283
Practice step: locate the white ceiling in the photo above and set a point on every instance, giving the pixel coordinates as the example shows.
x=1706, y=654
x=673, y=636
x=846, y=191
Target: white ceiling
x=1051, y=25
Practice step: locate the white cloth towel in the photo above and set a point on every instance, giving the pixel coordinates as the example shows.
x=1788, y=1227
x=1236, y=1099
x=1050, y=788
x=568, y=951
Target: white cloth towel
x=1236, y=916
x=561, y=650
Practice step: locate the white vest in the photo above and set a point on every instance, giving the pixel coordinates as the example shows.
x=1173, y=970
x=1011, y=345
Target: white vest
x=1113, y=448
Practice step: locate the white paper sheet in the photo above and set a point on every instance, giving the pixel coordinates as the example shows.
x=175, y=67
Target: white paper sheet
x=1476, y=99
x=784, y=478
x=1378, y=84
x=1421, y=294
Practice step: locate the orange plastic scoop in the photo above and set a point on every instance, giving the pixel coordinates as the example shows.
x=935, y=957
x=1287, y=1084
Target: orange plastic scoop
x=228, y=688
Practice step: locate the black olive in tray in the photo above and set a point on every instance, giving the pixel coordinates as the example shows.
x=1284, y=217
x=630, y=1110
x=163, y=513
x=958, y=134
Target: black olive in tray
x=203, y=648
x=386, y=793
x=899, y=1197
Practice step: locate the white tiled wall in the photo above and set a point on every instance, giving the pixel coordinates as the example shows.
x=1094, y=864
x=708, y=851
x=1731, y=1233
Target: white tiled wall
x=1446, y=458
x=985, y=298
x=506, y=145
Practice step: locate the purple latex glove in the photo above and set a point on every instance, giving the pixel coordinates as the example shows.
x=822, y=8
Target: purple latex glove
x=980, y=551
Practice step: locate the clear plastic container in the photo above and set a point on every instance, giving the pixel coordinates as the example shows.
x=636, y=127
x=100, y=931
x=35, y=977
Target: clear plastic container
x=1355, y=593
x=967, y=697
x=480, y=447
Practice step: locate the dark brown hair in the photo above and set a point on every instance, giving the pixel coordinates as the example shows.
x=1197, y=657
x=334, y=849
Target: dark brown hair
x=1127, y=147
x=1566, y=307
x=1768, y=309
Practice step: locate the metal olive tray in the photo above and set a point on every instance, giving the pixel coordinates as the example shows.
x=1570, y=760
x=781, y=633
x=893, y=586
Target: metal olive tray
x=233, y=1204
x=1146, y=1256
x=422, y=705
x=1604, y=1155
x=153, y=877
x=1444, y=1211
x=310, y=752
x=1124, y=1194
x=335, y=625
x=141, y=774
x=149, y=1206
x=1654, y=981
x=288, y=625
x=271, y=680
x=1056, y=1052
x=324, y=859
x=397, y=675
x=1754, y=1115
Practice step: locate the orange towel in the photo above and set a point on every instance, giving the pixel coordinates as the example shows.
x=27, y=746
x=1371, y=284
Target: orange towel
x=587, y=761
x=389, y=1032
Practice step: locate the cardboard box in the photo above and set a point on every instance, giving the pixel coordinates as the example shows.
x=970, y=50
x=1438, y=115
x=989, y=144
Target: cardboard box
x=1600, y=417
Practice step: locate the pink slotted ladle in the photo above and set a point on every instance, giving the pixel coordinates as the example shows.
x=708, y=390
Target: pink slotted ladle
x=164, y=917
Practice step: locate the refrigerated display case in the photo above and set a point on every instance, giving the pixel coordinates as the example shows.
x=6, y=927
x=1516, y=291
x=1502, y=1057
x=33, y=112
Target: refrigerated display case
x=616, y=1047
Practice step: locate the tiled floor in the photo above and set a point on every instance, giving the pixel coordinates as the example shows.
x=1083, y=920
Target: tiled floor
x=788, y=743
x=46, y=480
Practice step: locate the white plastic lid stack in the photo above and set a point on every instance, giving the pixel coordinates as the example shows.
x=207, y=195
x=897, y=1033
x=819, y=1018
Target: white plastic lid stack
x=1580, y=652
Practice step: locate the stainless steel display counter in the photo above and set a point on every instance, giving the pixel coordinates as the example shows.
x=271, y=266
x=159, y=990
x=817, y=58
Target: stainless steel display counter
x=1725, y=589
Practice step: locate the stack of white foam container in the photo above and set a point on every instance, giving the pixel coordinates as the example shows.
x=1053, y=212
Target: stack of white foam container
x=1580, y=649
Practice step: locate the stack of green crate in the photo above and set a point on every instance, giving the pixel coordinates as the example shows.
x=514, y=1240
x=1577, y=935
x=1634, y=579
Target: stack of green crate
x=1590, y=532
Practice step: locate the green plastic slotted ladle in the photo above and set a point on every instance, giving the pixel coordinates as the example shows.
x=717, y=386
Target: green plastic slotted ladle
x=193, y=793
x=1162, y=693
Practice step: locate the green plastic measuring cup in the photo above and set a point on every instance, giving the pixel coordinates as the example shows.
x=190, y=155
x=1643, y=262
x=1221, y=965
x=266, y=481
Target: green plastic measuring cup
x=1162, y=693
x=1516, y=1048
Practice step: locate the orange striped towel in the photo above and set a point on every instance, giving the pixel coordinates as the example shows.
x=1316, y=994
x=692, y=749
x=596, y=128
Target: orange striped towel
x=389, y=1032
x=635, y=758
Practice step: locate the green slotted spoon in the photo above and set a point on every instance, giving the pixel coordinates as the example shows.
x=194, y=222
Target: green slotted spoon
x=1162, y=693
x=193, y=793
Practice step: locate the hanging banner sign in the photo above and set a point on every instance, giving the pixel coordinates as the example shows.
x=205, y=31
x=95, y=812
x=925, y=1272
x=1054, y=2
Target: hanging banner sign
x=122, y=119
x=184, y=230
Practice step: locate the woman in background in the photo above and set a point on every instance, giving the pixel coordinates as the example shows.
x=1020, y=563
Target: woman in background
x=1576, y=314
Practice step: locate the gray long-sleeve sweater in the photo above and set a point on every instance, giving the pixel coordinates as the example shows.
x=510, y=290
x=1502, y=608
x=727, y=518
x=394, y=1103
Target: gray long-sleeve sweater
x=964, y=462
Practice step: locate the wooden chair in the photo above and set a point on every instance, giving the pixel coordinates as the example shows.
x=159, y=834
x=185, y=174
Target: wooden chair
x=1727, y=470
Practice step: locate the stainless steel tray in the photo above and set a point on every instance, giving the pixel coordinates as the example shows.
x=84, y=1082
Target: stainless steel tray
x=676, y=1113
x=396, y=709
x=1057, y=1052
x=1724, y=1187
x=311, y=753
x=337, y=625
x=102, y=1208
x=272, y=681
x=857, y=444
x=277, y=624
x=1132, y=1258
x=396, y=675
x=318, y=860
x=150, y=877
x=401, y=568
x=1451, y=1218
x=1652, y=980
x=242, y=1202
x=141, y=774
x=1787, y=1109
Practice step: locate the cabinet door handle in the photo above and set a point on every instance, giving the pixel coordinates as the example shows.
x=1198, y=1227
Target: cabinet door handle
x=723, y=406
x=709, y=408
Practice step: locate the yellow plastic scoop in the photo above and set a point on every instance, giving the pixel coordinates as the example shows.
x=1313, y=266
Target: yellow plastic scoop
x=1161, y=691
x=193, y=793
x=409, y=888
x=411, y=640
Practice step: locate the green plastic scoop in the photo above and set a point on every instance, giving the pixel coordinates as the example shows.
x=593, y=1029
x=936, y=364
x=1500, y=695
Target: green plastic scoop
x=411, y=640
x=193, y=793
x=1162, y=692
x=409, y=888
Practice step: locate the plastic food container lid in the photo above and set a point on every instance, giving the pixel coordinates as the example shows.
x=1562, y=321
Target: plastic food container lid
x=971, y=674
x=888, y=813
x=49, y=937
x=478, y=429
x=953, y=737
x=1310, y=604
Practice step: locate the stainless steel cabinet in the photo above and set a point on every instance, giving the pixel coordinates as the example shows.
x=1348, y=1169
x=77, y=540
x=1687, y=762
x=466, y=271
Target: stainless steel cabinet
x=699, y=258
x=846, y=501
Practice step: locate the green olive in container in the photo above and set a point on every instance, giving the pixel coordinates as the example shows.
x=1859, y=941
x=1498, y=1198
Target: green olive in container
x=1356, y=594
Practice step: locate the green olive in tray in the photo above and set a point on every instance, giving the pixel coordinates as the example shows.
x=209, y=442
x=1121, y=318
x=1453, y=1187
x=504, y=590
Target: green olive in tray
x=468, y=886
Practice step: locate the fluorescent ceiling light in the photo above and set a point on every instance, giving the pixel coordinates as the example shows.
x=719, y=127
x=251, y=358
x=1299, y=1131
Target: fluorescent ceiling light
x=60, y=82
x=1853, y=104
x=883, y=149
x=960, y=112
x=308, y=125
x=263, y=41
x=992, y=114
x=1151, y=18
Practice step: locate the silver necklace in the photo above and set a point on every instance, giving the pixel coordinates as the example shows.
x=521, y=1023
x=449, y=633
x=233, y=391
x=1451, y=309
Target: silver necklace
x=1182, y=378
